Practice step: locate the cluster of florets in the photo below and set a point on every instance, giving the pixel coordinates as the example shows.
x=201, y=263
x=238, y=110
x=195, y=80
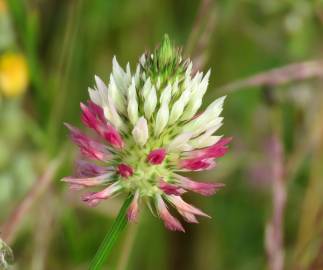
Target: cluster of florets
x=149, y=130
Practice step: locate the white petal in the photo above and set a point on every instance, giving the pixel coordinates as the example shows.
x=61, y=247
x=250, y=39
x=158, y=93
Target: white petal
x=198, y=92
x=206, y=139
x=205, y=142
x=188, y=71
x=137, y=75
x=166, y=95
x=147, y=88
x=175, y=88
x=208, y=115
x=108, y=105
x=215, y=108
x=179, y=142
x=142, y=59
x=110, y=112
x=178, y=106
x=192, y=108
x=140, y=131
x=102, y=88
x=150, y=103
x=132, y=103
x=116, y=96
x=161, y=119
x=95, y=96
x=122, y=79
x=216, y=122
x=128, y=71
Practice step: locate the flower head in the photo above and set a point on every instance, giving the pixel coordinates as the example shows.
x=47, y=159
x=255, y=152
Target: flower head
x=150, y=129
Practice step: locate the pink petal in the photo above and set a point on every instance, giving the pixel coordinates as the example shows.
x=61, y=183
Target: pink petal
x=112, y=136
x=93, y=198
x=183, y=207
x=93, y=117
x=202, y=159
x=89, y=118
x=206, y=189
x=89, y=181
x=214, y=151
x=88, y=147
x=188, y=217
x=97, y=110
x=133, y=210
x=87, y=169
x=125, y=170
x=90, y=200
x=197, y=164
x=170, y=222
x=170, y=189
x=156, y=156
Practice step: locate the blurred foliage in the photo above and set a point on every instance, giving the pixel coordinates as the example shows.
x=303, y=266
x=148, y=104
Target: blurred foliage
x=64, y=43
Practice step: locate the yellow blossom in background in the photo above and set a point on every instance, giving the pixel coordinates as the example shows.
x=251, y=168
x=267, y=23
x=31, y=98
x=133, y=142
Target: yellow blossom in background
x=13, y=74
x=3, y=6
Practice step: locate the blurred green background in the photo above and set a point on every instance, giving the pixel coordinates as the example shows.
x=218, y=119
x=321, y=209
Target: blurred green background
x=49, y=53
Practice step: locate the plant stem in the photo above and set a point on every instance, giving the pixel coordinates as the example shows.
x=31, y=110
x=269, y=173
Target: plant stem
x=111, y=237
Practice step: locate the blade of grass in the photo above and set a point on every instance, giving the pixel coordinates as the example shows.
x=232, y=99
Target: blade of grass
x=111, y=237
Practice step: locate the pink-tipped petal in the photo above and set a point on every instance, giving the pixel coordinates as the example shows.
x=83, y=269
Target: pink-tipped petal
x=183, y=206
x=170, y=189
x=89, y=181
x=90, y=200
x=190, y=218
x=133, y=210
x=89, y=118
x=197, y=164
x=88, y=147
x=125, y=170
x=156, y=156
x=97, y=110
x=93, y=117
x=170, y=222
x=217, y=150
x=112, y=136
x=206, y=189
x=93, y=198
x=87, y=169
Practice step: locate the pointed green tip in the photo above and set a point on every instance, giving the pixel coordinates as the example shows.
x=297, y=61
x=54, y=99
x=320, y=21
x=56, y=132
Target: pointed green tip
x=166, y=42
x=165, y=63
x=166, y=51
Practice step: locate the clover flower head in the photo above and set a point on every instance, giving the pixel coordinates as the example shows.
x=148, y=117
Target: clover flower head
x=149, y=131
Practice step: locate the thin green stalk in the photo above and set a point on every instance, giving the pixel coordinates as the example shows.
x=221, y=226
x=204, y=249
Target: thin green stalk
x=111, y=237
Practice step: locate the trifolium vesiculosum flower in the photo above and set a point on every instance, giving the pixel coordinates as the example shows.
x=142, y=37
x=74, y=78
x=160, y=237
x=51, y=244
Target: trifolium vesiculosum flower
x=150, y=130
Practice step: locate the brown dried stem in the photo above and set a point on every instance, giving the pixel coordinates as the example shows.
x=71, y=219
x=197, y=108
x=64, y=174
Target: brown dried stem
x=277, y=76
x=11, y=226
x=45, y=227
x=274, y=228
x=201, y=33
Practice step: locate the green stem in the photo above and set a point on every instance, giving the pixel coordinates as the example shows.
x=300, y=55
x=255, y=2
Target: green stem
x=111, y=237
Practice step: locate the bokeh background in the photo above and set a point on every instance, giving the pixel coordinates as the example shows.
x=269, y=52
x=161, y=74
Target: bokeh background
x=269, y=215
